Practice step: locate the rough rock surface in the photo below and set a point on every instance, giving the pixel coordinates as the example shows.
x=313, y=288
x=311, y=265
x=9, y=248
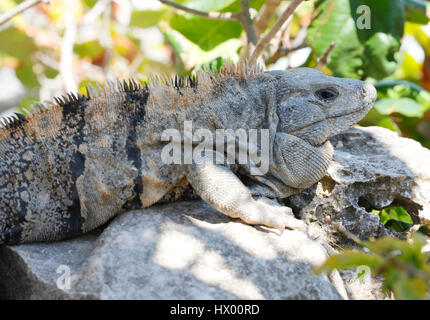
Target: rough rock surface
x=186, y=250
x=372, y=168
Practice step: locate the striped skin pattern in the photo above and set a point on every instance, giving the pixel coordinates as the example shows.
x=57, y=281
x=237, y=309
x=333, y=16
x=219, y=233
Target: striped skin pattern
x=73, y=164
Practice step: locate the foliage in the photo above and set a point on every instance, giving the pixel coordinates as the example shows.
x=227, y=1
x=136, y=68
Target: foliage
x=396, y=218
x=403, y=265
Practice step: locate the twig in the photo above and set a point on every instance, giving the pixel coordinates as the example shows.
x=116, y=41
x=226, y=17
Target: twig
x=246, y=22
x=324, y=59
x=47, y=60
x=265, y=15
x=19, y=8
x=346, y=233
x=227, y=16
x=281, y=52
x=265, y=40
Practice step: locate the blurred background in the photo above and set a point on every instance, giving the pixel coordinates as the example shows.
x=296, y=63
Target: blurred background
x=62, y=46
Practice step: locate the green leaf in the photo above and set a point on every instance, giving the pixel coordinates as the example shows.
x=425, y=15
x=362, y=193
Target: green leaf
x=90, y=3
x=146, y=18
x=410, y=288
x=235, y=6
x=16, y=44
x=404, y=89
x=387, y=245
x=207, y=6
x=90, y=49
x=207, y=34
x=369, y=52
x=384, y=85
x=335, y=24
x=389, y=124
x=349, y=259
x=395, y=213
x=381, y=52
x=404, y=106
x=387, y=16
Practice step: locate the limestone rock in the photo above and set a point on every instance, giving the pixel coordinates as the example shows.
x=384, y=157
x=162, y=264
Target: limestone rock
x=184, y=250
x=372, y=169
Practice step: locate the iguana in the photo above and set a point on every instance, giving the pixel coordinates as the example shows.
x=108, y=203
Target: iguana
x=72, y=164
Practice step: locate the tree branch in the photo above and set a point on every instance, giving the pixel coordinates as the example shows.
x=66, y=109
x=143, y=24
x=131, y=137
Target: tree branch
x=265, y=40
x=245, y=20
x=18, y=9
x=226, y=16
x=324, y=59
x=265, y=15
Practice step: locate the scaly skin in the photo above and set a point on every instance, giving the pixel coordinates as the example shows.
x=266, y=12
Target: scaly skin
x=68, y=168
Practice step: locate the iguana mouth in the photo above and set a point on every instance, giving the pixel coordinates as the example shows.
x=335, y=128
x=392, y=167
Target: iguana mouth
x=331, y=117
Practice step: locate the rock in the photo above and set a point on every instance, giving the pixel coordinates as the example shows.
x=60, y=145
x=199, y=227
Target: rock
x=30, y=271
x=183, y=250
x=372, y=169
x=187, y=250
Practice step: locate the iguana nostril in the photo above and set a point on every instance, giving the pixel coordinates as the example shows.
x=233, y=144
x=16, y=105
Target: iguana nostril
x=368, y=90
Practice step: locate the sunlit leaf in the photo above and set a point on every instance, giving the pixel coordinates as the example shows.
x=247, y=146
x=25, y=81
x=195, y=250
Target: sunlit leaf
x=146, y=18
x=404, y=106
x=206, y=6
x=90, y=49
x=410, y=289
x=235, y=6
x=394, y=213
x=358, y=52
x=207, y=34
x=389, y=124
x=349, y=259
x=16, y=44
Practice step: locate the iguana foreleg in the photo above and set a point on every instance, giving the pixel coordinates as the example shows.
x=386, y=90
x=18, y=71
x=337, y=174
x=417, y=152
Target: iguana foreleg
x=223, y=190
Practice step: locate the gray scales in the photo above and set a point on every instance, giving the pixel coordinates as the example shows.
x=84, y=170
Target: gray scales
x=73, y=164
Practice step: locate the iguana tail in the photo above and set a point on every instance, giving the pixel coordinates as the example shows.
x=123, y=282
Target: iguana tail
x=37, y=153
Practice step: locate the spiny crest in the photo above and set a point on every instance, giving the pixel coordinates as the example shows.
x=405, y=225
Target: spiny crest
x=113, y=88
x=177, y=82
x=241, y=69
x=69, y=101
x=12, y=121
x=17, y=119
x=229, y=69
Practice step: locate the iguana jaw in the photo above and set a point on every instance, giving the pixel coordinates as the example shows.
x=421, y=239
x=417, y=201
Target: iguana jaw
x=321, y=120
x=349, y=117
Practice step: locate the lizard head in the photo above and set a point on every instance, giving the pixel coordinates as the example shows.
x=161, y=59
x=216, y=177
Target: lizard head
x=315, y=107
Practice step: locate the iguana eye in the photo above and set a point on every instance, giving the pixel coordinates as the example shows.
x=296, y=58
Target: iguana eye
x=327, y=94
